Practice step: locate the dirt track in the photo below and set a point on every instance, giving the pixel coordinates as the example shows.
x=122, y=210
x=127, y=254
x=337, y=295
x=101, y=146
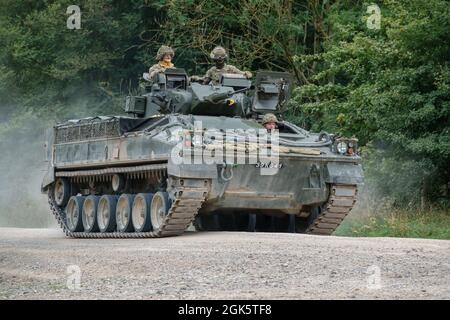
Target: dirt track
x=34, y=262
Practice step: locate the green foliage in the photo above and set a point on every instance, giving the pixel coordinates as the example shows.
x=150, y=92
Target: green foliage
x=259, y=34
x=432, y=224
x=62, y=73
x=390, y=88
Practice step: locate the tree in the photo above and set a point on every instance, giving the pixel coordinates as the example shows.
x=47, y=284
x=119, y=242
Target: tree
x=389, y=87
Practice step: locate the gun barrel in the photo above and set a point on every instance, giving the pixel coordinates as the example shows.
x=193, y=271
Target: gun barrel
x=217, y=97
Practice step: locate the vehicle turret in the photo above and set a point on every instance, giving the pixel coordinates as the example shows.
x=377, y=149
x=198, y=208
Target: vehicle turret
x=171, y=92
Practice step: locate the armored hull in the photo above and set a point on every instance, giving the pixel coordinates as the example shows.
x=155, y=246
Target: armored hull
x=154, y=176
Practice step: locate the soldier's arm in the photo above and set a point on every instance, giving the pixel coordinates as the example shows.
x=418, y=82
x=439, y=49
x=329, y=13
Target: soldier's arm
x=247, y=74
x=207, y=78
x=152, y=68
x=233, y=69
x=197, y=79
x=152, y=74
x=155, y=69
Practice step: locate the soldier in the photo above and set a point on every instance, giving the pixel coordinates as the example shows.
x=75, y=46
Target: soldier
x=219, y=55
x=270, y=121
x=164, y=56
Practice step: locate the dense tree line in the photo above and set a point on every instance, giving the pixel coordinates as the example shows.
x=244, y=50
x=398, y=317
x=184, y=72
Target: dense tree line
x=390, y=87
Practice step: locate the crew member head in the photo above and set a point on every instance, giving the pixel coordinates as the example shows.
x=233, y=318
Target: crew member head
x=165, y=55
x=270, y=121
x=219, y=55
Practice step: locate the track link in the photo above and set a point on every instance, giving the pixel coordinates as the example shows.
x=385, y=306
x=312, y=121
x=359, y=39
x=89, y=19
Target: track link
x=340, y=203
x=189, y=197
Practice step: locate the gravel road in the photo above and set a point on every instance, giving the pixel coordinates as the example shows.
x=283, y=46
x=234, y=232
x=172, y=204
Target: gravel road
x=44, y=264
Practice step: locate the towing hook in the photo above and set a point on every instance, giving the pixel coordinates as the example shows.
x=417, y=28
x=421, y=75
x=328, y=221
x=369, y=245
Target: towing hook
x=222, y=172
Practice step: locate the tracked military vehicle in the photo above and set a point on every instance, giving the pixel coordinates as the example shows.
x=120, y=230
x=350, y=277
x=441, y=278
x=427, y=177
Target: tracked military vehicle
x=194, y=155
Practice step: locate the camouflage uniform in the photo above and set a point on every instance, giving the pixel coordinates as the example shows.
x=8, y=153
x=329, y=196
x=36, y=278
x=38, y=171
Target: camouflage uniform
x=158, y=68
x=269, y=117
x=219, y=54
x=161, y=66
x=214, y=73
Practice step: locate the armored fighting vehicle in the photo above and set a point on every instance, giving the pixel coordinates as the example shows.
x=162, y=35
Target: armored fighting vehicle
x=189, y=155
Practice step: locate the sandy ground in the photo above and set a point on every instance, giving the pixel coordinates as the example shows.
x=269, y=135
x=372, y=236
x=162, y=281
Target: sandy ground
x=44, y=264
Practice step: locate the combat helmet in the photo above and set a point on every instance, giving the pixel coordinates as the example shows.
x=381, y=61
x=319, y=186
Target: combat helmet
x=269, y=117
x=164, y=50
x=218, y=53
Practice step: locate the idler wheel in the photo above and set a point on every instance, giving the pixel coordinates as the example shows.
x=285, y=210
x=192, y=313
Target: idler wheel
x=123, y=213
x=106, y=213
x=74, y=209
x=140, y=214
x=62, y=191
x=90, y=214
x=159, y=208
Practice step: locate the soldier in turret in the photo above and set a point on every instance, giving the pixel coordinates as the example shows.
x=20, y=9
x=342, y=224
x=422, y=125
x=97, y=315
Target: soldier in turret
x=164, y=56
x=270, y=121
x=219, y=56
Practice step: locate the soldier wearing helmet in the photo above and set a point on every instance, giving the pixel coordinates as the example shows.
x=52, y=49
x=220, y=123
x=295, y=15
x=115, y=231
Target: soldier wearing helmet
x=164, y=56
x=269, y=122
x=219, y=56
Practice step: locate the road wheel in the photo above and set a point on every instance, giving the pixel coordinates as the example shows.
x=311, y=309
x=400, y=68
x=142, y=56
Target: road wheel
x=123, y=213
x=90, y=214
x=73, y=214
x=159, y=208
x=106, y=213
x=118, y=182
x=62, y=191
x=140, y=213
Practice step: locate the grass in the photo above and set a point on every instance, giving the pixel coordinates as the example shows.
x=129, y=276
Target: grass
x=432, y=224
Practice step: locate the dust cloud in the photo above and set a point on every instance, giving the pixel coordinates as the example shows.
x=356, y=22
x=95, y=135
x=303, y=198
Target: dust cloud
x=22, y=156
x=22, y=168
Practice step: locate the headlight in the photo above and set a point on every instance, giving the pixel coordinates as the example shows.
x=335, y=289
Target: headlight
x=342, y=147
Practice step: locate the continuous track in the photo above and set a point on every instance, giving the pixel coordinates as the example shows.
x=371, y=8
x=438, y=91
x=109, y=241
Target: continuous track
x=189, y=197
x=341, y=201
x=190, y=194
